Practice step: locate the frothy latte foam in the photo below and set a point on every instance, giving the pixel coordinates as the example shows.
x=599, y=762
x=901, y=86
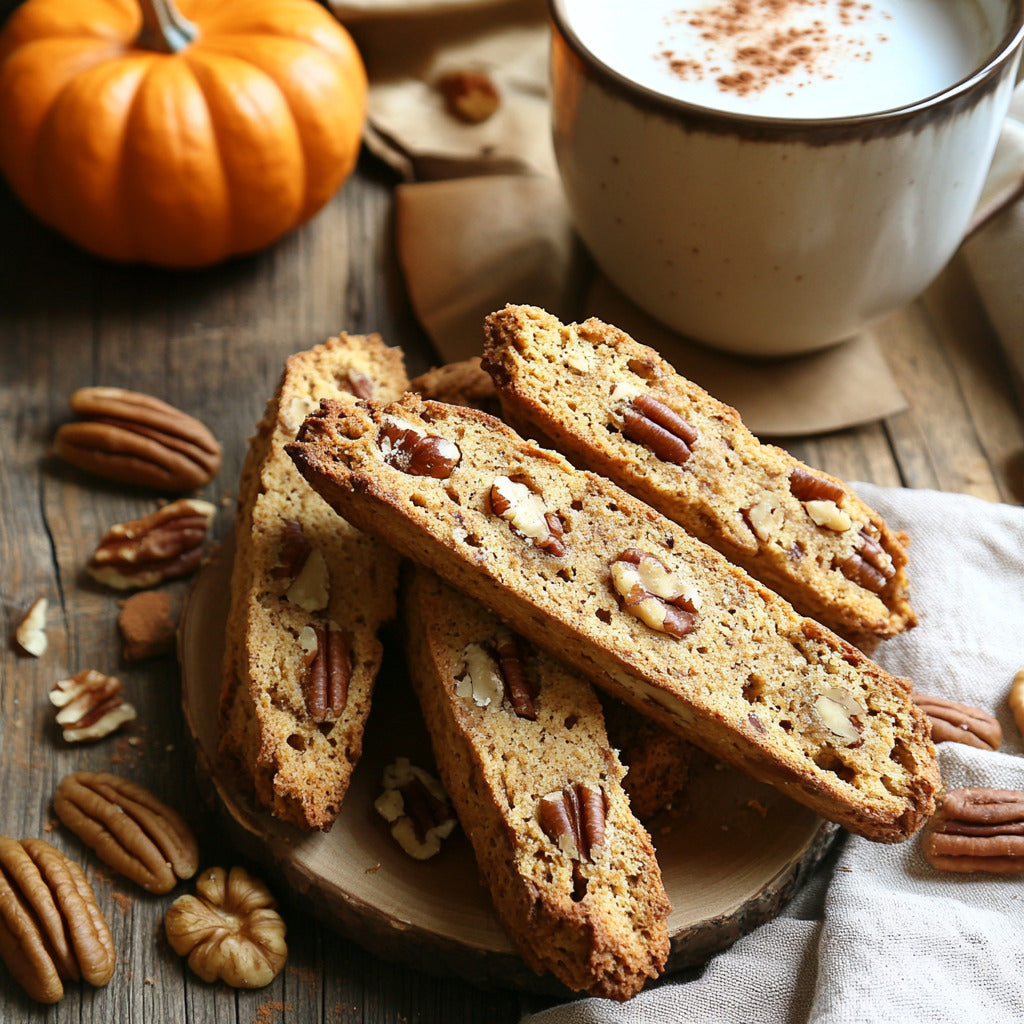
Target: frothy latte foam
x=789, y=58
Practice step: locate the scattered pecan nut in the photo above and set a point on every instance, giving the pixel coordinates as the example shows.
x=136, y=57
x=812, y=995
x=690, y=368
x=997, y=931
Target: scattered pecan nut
x=165, y=545
x=51, y=927
x=952, y=722
x=524, y=510
x=230, y=930
x=416, y=807
x=651, y=423
x=415, y=452
x=31, y=630
x=90, y=705
x=470, y=96
x=493, y=676
x=137, y=439
x=1016, y=699
x=328, y=659
x=147, y=627
x=573, y=818
x=653, y=594
x=977, y=829
x=128, y=828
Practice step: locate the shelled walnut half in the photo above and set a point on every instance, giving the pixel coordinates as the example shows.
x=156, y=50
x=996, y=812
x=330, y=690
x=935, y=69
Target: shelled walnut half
x=230, y=930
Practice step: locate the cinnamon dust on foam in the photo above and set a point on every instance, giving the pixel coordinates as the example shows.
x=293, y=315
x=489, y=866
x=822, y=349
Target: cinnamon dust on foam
x=748, y=49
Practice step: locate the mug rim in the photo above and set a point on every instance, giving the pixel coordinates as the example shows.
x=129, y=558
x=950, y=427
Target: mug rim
x=957, y=94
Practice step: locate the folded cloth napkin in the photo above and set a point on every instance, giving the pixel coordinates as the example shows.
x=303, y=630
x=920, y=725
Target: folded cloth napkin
x=880, y=935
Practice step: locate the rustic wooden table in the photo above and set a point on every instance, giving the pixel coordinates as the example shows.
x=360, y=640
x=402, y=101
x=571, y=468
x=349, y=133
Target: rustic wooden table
x=213, y=343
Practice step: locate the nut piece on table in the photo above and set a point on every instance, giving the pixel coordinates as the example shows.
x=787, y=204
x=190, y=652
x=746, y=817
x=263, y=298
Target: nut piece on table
x=230, y=930
x=470, y=96
x=128, y=828
x=137, y=439
x=165, y=545
x=960, y=723
x=146, y=625
x=31, y=631
x=416, y=806
x=51, y=927
x=91, y=705
x=977, y=829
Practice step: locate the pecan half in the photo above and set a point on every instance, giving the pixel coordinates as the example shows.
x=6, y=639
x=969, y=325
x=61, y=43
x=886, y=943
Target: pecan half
x=960, y=723
x=650, y=592
x=137, y=439
x=493, y=677
x=869, y=566
x=413, y=451
x=469, y=96
x=808, y=486
x=31, y=630
x=328, y=658
x=977, y=829
x=358, y=384
x=416, y=806
x=292, y=552
x=658, y=428
x=230, y=930
x=128, y=828
x=573, y=818
x=51, y=927
x=91, y=705
x=523, y=509
x=165, y=545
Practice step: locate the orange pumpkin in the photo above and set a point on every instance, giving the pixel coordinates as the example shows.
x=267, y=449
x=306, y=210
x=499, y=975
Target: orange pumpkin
x=179, y=138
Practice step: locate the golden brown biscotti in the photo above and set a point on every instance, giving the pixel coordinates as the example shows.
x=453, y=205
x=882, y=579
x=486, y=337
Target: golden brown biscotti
x=616, y=407
x=521, y=747
x=633, y=602
x=657, y=759
x=308, y=593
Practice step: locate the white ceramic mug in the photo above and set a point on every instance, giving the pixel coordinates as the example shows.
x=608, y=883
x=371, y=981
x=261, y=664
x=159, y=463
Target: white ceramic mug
x=769, y=229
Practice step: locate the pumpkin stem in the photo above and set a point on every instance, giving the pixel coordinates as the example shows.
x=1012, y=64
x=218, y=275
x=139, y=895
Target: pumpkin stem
x=164, y=29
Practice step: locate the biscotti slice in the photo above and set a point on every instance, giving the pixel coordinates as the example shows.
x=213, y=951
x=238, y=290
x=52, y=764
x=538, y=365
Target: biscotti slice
x=616, y=407
x=461, y=383
x=521, y=747
x=308, y=593
x=633, y=601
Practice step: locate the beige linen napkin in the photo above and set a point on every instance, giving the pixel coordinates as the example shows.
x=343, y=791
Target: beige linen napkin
x=881, y=936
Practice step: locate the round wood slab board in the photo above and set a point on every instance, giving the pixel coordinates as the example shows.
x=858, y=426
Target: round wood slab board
x=731, y=853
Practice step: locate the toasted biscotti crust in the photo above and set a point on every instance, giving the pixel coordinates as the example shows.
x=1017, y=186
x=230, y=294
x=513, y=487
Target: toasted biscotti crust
x=299, y=758
x=597, y=919
x=753, y=682
x=803, y=533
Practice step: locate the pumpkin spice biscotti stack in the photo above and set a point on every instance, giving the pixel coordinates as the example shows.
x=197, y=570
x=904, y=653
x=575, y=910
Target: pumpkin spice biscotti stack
x=616, y=407
x=633, y=601
x=308, y=593
x=521, y=747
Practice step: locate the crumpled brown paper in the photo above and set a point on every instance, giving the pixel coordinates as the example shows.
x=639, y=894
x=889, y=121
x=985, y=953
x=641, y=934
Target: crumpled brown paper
x=481, y=219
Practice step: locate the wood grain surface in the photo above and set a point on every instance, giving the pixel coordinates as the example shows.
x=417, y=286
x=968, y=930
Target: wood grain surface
x=213, y=342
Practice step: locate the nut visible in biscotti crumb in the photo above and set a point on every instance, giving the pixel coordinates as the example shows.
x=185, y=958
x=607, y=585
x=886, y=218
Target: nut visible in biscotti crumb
x=230, y=930
x=469, y=96
x=147, y=627
x=31, y=631
x=416, y=806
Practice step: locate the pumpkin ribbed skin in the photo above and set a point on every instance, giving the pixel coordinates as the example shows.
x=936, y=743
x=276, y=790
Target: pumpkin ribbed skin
x=178, y=159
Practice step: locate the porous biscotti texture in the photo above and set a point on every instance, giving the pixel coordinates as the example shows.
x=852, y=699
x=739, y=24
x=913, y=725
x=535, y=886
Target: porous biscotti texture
x=308, y=593
x=511, y=728
x=741, y=674
x=600, y=397
x=461, y=383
